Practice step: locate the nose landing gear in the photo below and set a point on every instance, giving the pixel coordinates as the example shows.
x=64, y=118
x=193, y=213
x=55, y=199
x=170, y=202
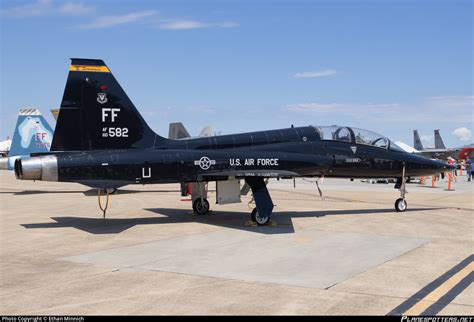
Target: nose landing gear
x=401, y=204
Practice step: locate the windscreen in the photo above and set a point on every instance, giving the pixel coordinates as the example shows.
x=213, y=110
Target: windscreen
x=351, y=134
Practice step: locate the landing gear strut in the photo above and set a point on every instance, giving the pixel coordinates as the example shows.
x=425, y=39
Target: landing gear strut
x=401, y=203
x=199, y=196
x=264, y=205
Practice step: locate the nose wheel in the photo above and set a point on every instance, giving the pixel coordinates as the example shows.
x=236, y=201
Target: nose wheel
x=401, y=204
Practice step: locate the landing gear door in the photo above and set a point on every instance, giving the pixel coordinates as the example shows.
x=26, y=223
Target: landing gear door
x=228, y=191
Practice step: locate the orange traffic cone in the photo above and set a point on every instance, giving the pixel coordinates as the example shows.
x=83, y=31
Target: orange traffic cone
x=450, y=182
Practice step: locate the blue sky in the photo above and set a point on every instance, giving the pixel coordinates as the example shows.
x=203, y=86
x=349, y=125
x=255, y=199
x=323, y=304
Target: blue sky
x=387, y=66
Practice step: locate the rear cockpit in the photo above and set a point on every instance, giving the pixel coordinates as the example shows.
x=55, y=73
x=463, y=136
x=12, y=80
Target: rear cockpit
x=355, y=135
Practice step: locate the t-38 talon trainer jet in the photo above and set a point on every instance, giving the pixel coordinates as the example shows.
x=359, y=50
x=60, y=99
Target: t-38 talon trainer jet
x=102, y=141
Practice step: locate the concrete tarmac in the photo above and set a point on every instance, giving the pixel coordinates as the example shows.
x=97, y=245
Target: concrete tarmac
x=346, y=253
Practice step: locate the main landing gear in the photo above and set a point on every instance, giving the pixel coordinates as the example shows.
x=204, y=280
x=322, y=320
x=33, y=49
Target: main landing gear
x=199, y=197
x=260, y=220
x=201, y=206
x=264, y=205
x=260, y=214
x=401, y=204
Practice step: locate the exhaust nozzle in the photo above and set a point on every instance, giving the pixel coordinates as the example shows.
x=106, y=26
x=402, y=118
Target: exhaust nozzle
x=37, y=168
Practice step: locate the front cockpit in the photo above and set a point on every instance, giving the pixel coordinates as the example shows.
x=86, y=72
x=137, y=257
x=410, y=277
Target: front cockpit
x=355, y=135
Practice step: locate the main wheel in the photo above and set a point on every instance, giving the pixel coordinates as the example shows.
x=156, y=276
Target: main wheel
x=201, y=206
x=260, y=220
x=400, y=205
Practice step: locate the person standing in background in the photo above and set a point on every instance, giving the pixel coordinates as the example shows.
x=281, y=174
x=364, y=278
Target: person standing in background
x=453, y=163
x=468, y=168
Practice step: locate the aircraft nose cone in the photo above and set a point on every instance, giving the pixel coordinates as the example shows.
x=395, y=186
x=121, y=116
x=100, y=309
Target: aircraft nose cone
x=423, y=166
x=442, y=167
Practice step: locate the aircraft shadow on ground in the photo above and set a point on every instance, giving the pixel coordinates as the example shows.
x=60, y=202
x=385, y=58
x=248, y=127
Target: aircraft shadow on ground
x=88, y=193
x=226, y=219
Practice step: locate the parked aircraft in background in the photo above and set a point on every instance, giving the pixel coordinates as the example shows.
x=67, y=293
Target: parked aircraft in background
x=466, y=151
x=32, y=134
x=111, y=146
x=439, y=144
x=177, y=131
x=440, y=151
x=5, y=147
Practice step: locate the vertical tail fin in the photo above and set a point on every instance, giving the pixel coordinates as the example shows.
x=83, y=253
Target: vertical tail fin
x=439, y=144
x=55, y=112
x=32, y=133
x=96, y=114
x=206, y=131
x=416, y=141
x=177, y=131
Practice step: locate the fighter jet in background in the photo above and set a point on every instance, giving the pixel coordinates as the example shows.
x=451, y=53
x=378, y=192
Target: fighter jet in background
x=5, y=147
x=440, y=151
x=102, y=141
x=32, y=134
x=177, y=131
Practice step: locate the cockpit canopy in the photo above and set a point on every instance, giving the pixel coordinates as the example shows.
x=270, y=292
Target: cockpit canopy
x=355, y=135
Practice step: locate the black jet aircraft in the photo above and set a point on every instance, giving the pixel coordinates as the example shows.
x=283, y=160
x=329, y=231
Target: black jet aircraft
x=102, y=141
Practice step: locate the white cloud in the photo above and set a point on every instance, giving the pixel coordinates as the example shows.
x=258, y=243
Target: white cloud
x=192, y=24
x=355, y=110
x=313, y=74
x=315, y=107
x=462, y=133
x=112, y=21
x=442, y=109
x=47, y=7
x=452, y=101
x=75, y=8
x=68, y=8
